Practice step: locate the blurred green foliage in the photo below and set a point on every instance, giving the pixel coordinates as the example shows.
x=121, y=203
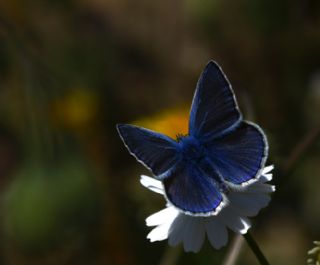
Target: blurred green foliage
x=43, y=202
x=70, y=70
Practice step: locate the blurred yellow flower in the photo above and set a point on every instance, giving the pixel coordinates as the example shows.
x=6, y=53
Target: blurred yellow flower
x=171, y=122
x=77, y=109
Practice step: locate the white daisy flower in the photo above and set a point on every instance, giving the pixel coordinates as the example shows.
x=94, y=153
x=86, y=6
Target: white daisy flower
x=177, y=227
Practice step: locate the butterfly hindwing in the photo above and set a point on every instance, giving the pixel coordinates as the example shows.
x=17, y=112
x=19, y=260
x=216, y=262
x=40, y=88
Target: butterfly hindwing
x=214, y=110
x=154, y=150
x=240, y=155
x=190, y=190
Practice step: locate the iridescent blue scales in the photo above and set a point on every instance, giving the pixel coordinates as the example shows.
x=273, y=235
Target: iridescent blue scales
x=221, y=151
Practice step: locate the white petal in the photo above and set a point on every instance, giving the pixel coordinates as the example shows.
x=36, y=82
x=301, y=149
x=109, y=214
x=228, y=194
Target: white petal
x=187, y=230
x=152, y=184
x=267, y=169
x=248, y=204
x=194, y=235
x=246, y=225
x=166, y=215
x=260, y=188
x=159, y=233
x=217, y=233
x=177, y=230
x=266, y=174
x=265, y=178
x=234, y=221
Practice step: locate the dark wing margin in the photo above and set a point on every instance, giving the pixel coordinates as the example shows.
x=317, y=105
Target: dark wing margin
x=240, y=156
x=189, y=190
x=214, y=109
x=155, y=151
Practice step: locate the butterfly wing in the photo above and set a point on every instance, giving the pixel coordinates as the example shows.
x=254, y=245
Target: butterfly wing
x=240, y=155
x=155, y=151
x=191, y=191
x=238, y=149
x=214, y=110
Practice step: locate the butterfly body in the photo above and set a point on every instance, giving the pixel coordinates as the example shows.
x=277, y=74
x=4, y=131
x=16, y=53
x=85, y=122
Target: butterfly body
x=191, y=150
x=196, y=155
x=221, y=151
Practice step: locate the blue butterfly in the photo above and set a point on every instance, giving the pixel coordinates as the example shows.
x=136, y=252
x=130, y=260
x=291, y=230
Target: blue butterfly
x=220, y=153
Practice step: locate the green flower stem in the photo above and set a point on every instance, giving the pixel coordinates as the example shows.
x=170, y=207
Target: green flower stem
x=255, y=249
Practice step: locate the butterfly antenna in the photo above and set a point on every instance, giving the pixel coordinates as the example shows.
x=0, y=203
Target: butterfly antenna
x=179, y=136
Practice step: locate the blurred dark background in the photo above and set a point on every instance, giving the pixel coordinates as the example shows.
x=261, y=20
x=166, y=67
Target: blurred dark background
x=70, y=70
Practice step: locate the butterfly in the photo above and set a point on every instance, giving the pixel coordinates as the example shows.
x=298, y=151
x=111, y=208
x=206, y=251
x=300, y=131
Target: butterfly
x=221, y=151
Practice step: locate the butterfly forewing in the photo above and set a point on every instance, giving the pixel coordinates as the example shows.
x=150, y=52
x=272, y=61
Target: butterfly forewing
x=214, y=110
x=154, y=150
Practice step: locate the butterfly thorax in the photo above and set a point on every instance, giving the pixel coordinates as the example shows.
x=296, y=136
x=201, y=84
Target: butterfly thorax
x=194, y=153
x=190, y=149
